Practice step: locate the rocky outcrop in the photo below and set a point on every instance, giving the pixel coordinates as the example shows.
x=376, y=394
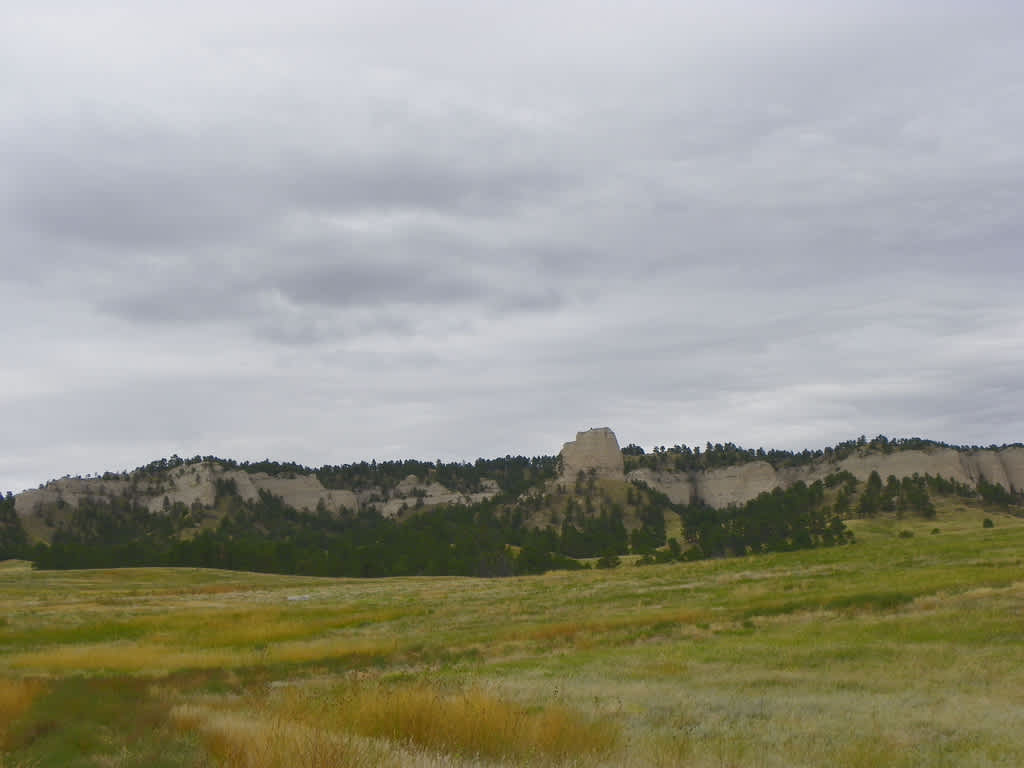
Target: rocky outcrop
x=738, y=484
x=300, y=491
x=597, y=450
x=68, y=491
x=197, y=484
x=678, y=486
x=189, y=484
x=412, y=493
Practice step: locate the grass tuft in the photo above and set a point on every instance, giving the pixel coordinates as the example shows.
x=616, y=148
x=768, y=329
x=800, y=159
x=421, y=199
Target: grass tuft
x=474, y=722
x=236, y=740
x=341, y=726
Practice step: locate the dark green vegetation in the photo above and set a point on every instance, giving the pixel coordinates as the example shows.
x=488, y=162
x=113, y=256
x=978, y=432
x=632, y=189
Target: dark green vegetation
x=491, y=538
x=13, y=541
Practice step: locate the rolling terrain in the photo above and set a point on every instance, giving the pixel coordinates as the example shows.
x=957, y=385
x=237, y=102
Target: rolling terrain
x=903, y=649
x=846, y=616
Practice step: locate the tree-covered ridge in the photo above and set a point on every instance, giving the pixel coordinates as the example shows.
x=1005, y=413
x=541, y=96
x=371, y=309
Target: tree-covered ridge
x=512, y=474
x=517, y=473
x=538, y=519
x=683, y=458
x=491, y=538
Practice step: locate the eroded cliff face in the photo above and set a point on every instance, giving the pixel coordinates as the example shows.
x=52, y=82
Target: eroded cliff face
x=680, y=487
x=187, y=484
x=413, y=492
x=738, y=484
x=596, y=449
x=301, y=491
x=194, y=483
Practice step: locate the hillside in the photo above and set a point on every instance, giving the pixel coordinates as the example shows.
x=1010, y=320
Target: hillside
x=724, y=475
x=498, y=516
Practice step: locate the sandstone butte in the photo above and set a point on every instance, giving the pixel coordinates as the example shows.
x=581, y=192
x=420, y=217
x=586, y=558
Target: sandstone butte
x=596, y=449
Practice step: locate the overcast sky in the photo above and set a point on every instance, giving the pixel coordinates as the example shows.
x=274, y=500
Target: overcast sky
x=327, y=232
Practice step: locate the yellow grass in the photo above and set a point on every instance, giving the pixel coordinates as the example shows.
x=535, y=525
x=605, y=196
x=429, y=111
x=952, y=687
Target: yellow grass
x=237, y=740
x=372, y=724
x=473, y=722
x=16, y=696
x=152, y=659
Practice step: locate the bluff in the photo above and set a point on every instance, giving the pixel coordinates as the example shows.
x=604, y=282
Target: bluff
x=196, y=484
x=737, y=484
x=596, y=449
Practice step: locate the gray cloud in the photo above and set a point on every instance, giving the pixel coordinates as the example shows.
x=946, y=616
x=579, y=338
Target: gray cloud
x=389, y=183
x=328, y=233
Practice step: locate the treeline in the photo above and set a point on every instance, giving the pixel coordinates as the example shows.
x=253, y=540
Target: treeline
x=912, y=494
x=795, y=518
x=512, y=474
x=13, y=540
x=683, y=458
x=267, y=535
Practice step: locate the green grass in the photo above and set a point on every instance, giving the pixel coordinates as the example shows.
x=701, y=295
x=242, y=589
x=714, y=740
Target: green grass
x=895, y=651
x=82, y=722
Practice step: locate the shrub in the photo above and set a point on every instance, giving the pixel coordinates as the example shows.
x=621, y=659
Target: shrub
x=905, y=534
x=987, y=523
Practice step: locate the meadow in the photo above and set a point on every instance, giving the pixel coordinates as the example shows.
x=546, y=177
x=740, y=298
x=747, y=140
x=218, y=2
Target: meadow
x=905, y=648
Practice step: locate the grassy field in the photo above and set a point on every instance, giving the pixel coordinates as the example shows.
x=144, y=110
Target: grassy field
x=899, y=650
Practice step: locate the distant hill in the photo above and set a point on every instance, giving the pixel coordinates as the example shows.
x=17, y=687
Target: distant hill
x=722, y=475
x=494, y=516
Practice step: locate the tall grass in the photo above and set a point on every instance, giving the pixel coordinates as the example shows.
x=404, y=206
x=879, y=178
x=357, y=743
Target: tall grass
x=16, y=696
x=240, y=740
x=473, y=722
x=152, y=659
x=298, y=728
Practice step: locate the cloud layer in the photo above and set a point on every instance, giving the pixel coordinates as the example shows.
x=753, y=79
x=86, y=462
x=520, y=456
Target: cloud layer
x=329, y=234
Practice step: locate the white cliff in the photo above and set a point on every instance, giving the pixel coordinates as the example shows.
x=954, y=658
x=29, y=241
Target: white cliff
x=597, y=450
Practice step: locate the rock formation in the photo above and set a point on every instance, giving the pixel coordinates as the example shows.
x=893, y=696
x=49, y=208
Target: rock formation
x=412, y=493
x=742, y=482
x=197, y=484
x=596, y=449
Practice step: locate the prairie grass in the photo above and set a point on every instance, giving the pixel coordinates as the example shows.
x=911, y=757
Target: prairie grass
x=894, y=651
x=16, y=696
x=375, y=724
x=82, y=722
x=237, y=740
x=152, y=659
x=470, y=722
